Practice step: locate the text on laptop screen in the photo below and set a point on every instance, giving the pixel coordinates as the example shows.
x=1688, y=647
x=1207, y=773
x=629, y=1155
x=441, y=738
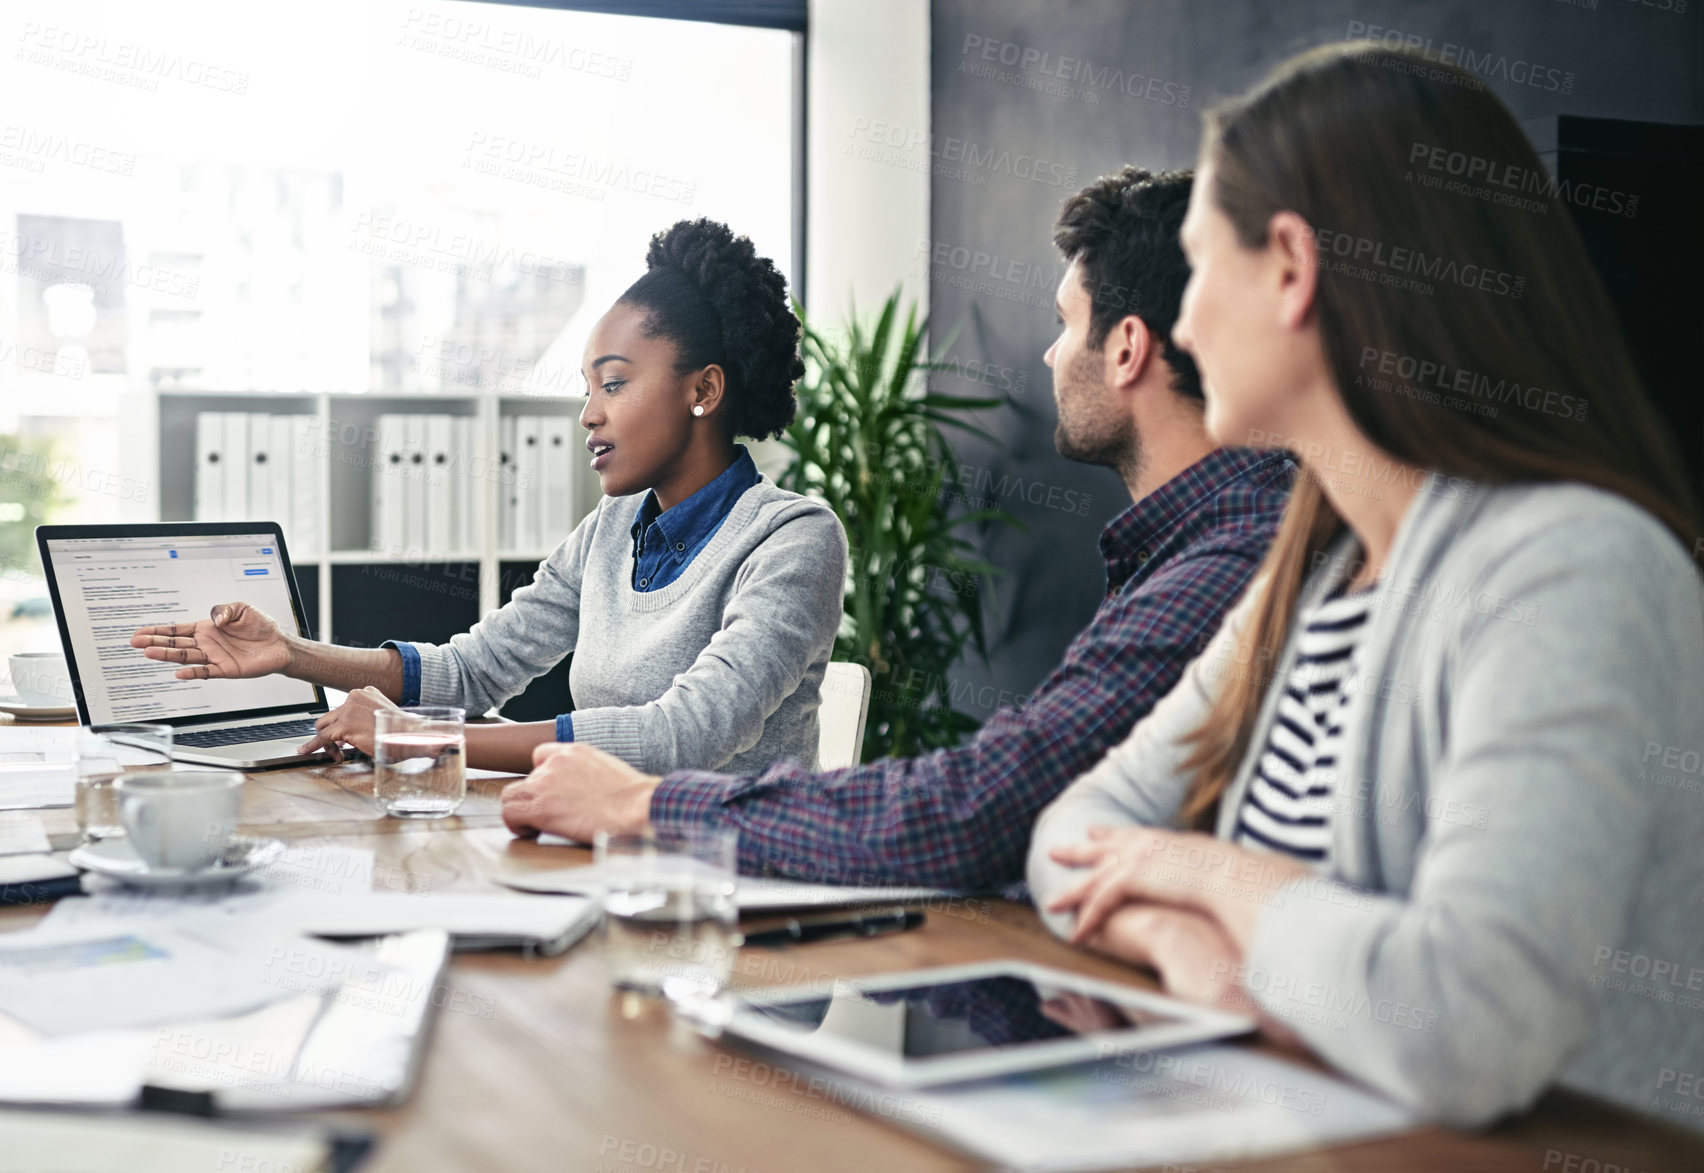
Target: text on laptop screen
x=108, y=587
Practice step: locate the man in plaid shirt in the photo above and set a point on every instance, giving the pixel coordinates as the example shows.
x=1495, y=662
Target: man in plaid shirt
x=1200, y=521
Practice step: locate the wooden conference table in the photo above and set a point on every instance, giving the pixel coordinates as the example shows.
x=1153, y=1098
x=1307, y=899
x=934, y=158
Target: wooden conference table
x=534, y=1064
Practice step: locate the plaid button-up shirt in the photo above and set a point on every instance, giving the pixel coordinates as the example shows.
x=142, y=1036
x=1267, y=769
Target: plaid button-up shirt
x=961, y=818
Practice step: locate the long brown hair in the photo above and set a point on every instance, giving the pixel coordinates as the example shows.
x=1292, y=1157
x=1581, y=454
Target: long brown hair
x=1441, y=242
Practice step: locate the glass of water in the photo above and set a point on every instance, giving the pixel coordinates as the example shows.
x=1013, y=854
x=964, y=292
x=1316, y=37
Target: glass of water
x=420, y=761
x=104, y=752
x=671, y=919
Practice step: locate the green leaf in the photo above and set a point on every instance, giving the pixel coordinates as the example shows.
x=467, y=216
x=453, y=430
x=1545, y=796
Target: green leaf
x=870, y=440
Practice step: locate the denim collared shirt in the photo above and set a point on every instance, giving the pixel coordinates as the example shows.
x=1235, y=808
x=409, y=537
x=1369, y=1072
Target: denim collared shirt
x=665, y=541
x=664, y=544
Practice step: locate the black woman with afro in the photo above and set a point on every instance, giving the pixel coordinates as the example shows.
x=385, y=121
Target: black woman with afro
x=699, y=601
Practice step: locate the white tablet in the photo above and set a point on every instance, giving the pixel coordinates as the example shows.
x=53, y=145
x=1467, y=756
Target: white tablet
x=960, y=1022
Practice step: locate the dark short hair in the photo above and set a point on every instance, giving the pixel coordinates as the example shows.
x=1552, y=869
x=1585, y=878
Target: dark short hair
x=709, y=292
x=1122, y=232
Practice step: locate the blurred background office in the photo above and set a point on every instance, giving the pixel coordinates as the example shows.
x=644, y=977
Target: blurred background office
x=335, y=267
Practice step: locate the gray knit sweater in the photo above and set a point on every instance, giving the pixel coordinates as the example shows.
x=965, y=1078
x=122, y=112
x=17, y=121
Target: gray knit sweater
x=719, y=670
x=1511, y=896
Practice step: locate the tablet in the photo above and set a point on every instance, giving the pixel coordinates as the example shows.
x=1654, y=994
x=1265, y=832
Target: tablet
x=962, y=1022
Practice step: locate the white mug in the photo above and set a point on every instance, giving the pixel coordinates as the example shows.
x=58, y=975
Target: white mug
x=41, y=678
x=181, y=819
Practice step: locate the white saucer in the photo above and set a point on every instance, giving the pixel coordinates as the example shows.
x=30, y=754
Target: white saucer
x=117, y=859
x=23, y=711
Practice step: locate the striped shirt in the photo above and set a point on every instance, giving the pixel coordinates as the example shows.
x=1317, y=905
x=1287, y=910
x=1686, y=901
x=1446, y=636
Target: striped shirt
x=961, y=817
x=1289, y=802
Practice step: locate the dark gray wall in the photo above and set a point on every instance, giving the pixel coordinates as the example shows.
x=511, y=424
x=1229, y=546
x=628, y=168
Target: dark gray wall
x=992, y=266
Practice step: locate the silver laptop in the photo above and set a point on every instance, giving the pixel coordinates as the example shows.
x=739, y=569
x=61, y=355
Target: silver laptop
x=108, y=580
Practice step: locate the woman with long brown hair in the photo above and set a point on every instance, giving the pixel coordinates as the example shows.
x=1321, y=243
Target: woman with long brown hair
x=1428, y=796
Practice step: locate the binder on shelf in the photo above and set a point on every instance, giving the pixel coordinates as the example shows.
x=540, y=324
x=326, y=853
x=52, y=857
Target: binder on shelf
x=260, y=466
x=236, y=467
x=508, y=500
x=554, y=491
x=210, y=465
x=282, y=470
x=529, y=432
x=388, y=492
x=464, y=527
x=305, y=462
x=443, y=476
x=415, y=476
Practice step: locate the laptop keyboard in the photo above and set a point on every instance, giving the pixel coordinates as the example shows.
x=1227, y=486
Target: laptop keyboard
x=242, y=735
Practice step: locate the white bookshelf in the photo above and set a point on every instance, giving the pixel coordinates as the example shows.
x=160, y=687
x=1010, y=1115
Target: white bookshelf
x=346, y=424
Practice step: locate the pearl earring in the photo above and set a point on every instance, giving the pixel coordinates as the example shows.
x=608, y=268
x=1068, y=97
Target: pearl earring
x=698, y=410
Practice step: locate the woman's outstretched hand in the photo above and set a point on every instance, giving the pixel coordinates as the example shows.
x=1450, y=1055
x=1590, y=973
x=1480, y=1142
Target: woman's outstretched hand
x=234, y=642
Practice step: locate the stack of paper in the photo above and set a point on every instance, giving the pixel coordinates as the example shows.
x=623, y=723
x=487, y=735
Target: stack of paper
x=104, y=975
x=327, y=890
x=39, y=743
x=23, y=837
x=34, y=786
x=50, y=1142
x=1189, y=1108
x=331, y=1026
x=36, y=770
x=234, y=995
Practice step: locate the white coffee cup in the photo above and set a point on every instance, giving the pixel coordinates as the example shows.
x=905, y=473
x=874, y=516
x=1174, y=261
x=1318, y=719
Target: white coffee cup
x=41, y=678
x=179, y=819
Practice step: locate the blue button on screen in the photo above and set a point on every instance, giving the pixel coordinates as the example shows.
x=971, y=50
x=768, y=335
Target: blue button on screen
x=266, y=549
x=173, y=553
x=256, y=570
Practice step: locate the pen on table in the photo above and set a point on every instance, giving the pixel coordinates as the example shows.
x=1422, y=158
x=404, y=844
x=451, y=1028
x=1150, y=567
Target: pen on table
x=874, y=924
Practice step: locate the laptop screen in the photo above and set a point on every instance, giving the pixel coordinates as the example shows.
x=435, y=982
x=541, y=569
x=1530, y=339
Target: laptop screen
x=109, y=586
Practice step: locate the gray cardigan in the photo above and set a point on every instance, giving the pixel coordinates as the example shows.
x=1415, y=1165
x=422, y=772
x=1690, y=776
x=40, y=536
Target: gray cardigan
x=721, y=669
x=1515, y=889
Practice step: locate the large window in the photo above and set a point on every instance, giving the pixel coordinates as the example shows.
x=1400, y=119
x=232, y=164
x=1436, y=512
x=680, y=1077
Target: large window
x=336, y=196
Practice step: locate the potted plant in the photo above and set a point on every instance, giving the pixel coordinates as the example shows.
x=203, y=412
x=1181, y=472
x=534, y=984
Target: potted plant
x=869, y=441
